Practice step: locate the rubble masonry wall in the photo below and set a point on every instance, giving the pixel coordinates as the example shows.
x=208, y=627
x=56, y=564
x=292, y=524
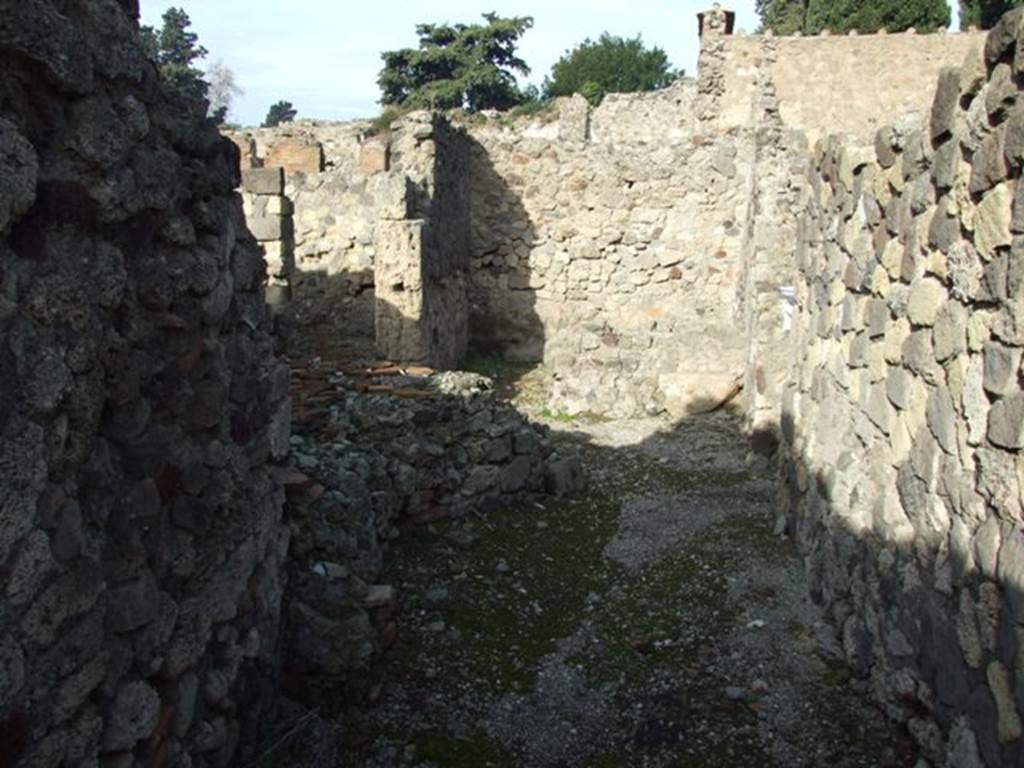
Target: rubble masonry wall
x=141, y=404
x=904, y=413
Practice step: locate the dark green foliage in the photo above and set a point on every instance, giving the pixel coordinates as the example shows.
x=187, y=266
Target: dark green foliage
x=174, y=50
x=281, y=112
x=783, y=17
x=468, y=66
x=609, y=65
x=840, y=16
x=984, y=13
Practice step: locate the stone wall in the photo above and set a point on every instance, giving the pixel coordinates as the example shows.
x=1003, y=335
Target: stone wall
x=391, y=207
x=615, y=263
x=268, y=216
x=444, y=447
x=140, y=404
x=825, y=83
x=904, y=415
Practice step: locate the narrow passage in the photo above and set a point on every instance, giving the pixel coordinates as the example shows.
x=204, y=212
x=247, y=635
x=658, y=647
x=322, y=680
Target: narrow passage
x=655, y=619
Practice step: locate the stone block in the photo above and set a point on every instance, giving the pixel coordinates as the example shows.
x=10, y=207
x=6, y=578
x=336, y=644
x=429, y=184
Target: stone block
x=992, y=222
x=263, y=181
x=276, y=206
x=1006, y=422
x=1002, y=93
x=942, y=419
x=919, y=355
x=946, y=165
x=375, y=156
x=1002, y=364
x=975, y=402
x=133, y=716
x=946, y=103
x=1002, y=38
x=693, y=393
x=949, y=334
x=880, y=410
x=884, y=147
x=265, y=228
x=296, y=155
x=926, y=298
x=1010, y=726
x=988, y=167
x=897, y=387
x=944, y=228
x=1013, y=142
x=516, y=475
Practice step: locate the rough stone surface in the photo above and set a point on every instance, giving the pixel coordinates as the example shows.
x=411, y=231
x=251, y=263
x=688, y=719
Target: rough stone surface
x=950, y=462
x=138, y=518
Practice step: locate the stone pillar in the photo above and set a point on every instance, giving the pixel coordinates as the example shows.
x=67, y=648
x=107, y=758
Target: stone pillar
x=715, y=25
x=716, y=22
x=574, y=119
x=268, y=214
x=400, y=303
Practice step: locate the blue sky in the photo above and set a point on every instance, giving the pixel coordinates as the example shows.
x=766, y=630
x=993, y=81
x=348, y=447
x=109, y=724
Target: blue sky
x=324, y=56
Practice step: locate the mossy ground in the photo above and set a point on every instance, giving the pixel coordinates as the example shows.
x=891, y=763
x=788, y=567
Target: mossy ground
x=494, y=605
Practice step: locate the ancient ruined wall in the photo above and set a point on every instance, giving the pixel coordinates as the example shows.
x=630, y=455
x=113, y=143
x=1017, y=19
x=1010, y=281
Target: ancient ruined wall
x=853, y=84
x=140, y=403
x=268, y=217
x=422, y=301
x=615, y=262
x=646, y=118
x=904, y=416
x=368, y=206
x=451, y=450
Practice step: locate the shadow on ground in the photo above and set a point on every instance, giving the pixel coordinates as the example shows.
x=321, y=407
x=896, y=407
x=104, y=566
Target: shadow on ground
x=656, y=619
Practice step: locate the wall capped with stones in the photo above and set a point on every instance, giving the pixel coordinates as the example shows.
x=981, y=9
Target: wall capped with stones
x=140, y=404
x=825, y=83
x=904, y=415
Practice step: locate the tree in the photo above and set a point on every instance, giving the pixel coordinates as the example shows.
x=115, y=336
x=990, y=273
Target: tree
x=984, y=13
x=841, y=16
x=469, y=66
x=174, y=49
x=609, y=65
x=222, y=90
x=281, y=112
x=783, y=17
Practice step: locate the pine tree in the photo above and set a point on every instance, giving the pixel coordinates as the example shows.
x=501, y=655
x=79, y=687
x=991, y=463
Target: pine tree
x=174, y=49
x=840, y=16
x=281, y=112
x=469, y=66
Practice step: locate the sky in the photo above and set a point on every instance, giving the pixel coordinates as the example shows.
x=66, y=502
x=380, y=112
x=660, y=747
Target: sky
x=324, y=55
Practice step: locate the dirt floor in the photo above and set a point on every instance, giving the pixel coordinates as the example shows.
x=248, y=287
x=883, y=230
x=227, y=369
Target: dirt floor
x=655, y=619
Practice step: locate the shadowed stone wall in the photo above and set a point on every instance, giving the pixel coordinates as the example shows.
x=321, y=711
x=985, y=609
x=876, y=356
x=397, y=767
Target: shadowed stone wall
x=381, y=232
x=904, y=413
x=140, y=404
